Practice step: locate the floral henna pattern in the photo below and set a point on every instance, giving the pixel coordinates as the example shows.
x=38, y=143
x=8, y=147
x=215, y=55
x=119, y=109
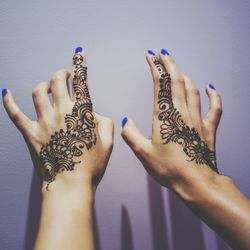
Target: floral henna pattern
x=174, y=129
x=61, y=152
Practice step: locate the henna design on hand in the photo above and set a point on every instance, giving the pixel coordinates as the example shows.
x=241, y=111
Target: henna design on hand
x=174, y=129
x=60, y=153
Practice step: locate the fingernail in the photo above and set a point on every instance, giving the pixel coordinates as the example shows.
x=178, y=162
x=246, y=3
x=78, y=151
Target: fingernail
x=211, y=86
x=78, y=50
x=4, y=92
x=150, y=52
x=164, y=52
x=124, y=121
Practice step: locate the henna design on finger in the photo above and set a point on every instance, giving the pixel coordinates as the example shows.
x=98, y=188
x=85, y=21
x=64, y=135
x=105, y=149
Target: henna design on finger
x=174, y=129
x=64, y=147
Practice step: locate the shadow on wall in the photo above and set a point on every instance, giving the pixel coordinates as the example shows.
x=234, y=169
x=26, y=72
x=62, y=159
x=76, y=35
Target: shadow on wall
x=126, y=231
x=157, y=216
x=186, y=227
x=34, y=211
x=96, y=233
x=221, y=244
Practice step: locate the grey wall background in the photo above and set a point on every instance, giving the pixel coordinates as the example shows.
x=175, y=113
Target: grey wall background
x=209, y=40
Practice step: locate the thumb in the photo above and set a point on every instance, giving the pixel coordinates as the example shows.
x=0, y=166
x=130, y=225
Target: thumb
x=134, y=138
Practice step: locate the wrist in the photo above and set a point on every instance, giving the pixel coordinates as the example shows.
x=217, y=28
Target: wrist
x=72, y=196
x=198, y=184
x=66, y=213
x=70, y=182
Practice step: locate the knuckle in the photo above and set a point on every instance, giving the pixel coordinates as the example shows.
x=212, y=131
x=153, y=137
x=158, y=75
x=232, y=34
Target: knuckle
x=171, y=60
x=141, y=150
x=62, y=72
x=60, y=114
x=157, y=77
x=180, y=79
x=194, y=91
x=16, y=116
x=41, y=84
x=138, y=149
x=59, y=75
x=213, y=125
x=217, y=95
x=35, y=139
x=37, y=91
x=218, y=109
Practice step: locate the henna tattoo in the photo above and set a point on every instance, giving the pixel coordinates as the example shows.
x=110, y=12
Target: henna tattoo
x=174, y=129
x=60, y=153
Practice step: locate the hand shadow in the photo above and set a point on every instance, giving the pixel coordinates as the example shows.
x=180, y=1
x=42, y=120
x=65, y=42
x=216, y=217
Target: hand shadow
x=186, y=227
x=126, y=232
x=157, y=216
x=221, y=244
x=96, y=232
x=34, y=212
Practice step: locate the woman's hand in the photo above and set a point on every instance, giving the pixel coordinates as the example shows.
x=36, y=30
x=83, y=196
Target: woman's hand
x=182, y=146
x=181, y=153
x=70, y=145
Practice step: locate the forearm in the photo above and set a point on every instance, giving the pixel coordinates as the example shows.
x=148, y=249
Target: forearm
x=219, y=203
x=66, y=220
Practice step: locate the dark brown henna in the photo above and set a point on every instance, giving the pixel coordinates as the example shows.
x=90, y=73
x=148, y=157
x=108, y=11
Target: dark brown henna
x=60, y=153
x=174, y=129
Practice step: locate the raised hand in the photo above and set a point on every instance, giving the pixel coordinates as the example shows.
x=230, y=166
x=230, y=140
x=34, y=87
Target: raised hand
x=181, y=153
x=67, y=135
x=183, y=143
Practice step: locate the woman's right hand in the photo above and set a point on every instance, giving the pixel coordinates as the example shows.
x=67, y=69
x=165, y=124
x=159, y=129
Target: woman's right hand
x=70, y=144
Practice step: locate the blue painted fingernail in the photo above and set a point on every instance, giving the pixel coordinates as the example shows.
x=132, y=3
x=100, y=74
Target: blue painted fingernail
x=150, y=52
x=4, y=92
x=211, y=86
x=124, y=121
x=164, y=52
x=78, y=50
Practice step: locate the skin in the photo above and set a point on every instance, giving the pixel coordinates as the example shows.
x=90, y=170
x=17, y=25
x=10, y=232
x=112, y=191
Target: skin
x=67, y=205
x=213, y=197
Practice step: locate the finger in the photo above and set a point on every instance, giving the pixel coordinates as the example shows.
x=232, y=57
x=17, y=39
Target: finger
x=41, y=100
x=152, y=60
x=177, y=81
x=215, y=106
x=22, y=122
x=59, y=90
x=134, y=138
x=193, y=100
x=105, y=129
x=79, y=76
